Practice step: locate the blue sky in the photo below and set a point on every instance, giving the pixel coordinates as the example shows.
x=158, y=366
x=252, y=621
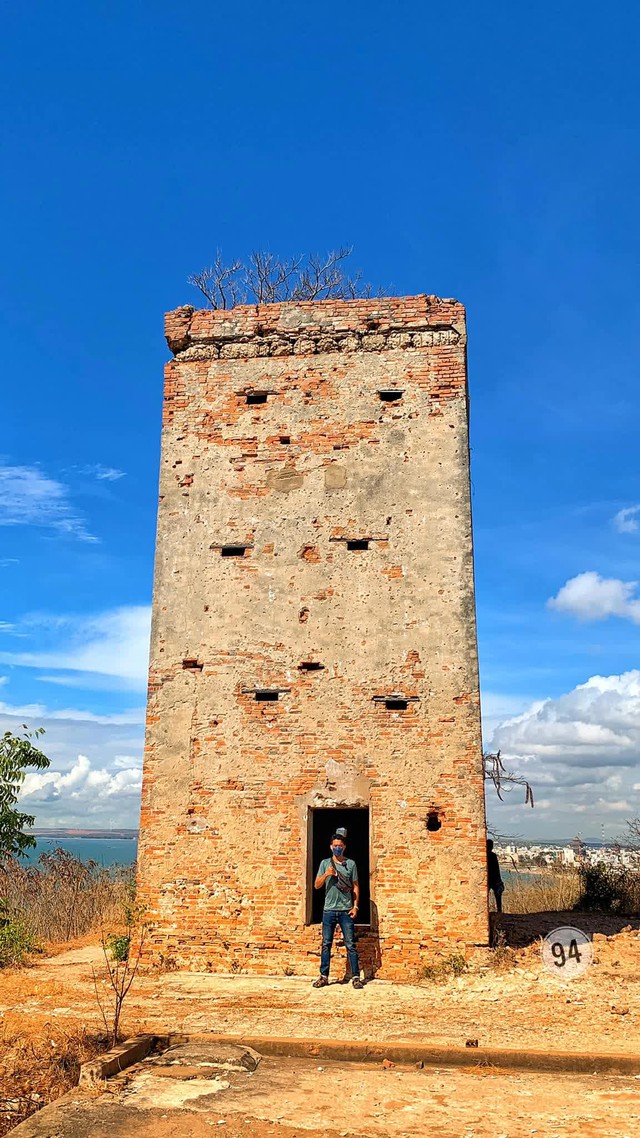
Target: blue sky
x=489, y=153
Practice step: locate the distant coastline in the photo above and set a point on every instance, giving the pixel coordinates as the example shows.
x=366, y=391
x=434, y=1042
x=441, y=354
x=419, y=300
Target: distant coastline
x=94, y=835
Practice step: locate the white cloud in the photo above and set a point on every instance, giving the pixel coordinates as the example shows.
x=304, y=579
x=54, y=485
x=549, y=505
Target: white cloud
x=40, y=711
x=583, y=749
x=598, y=723
x=125, y=762
x=81, y=782
x=110, y=646
x=94, y=778
x=29, y=497
x=103, y=473
x=592, y=597
x=627, y=521
x=6, y=626
x=497, y=706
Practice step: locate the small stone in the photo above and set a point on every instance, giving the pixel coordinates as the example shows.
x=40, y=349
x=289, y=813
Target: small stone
x=387, y=1064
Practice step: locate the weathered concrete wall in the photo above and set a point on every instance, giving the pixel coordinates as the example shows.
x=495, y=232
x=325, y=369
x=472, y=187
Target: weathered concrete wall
x=229, y=780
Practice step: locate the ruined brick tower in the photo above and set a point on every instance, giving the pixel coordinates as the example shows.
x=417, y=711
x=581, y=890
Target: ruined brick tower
x=313, y=656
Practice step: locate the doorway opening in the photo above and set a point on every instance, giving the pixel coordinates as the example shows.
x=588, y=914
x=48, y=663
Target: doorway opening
x=322, y=825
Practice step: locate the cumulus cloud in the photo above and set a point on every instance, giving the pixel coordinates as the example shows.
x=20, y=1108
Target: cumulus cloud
x=96, y=760
x=598, y=722
x=81, y=783
x=627, y=521
x=96, y=650
x=29, y=497
x=583, y=750
x=592, y=597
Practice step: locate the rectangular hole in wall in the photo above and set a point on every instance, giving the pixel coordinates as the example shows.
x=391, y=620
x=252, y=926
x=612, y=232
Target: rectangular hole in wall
x=310, y=666
x=396, y=704
x=266, y=695
x=233, y=550
x=255, y=397
x=322, y=824
x=192, y=665
x=361, y=543
x=392, y=395
x=285, y=440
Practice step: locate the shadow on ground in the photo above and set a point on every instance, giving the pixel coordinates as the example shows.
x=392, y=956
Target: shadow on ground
x=521, y=929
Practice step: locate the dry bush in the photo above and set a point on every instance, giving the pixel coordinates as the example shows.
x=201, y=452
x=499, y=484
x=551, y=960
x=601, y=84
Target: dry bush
x=609, y=888
x=59, y=898
x=445, y=968
x=265, y=278
x=547, y=892
x=38, y=1063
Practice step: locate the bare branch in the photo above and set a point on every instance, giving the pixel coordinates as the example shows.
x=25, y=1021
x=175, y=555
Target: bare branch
x=503, y=780
x=266, y=279
x=220, y=284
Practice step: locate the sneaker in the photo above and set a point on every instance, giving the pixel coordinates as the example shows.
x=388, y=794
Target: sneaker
x=321, y=982
x=357, y=982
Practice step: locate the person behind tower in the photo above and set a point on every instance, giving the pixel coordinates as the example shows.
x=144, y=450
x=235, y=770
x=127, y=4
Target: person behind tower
x=494, y=877
x=339, y=877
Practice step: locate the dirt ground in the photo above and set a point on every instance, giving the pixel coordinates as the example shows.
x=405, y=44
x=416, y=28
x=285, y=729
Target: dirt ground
x=520, y=1007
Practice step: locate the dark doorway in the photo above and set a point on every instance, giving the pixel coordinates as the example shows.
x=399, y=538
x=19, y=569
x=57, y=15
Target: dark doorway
x=322, y=824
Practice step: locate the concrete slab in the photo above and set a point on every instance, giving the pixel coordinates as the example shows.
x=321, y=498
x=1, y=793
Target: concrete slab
x=304, y=1098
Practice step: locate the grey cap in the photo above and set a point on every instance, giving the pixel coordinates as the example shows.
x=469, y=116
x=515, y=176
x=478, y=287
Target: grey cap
x=340, y=833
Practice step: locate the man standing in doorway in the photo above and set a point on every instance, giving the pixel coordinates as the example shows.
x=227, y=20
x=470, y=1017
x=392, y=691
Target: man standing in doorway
x=339, y=875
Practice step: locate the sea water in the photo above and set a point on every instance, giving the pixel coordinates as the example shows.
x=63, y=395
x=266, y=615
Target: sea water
x=104, y=851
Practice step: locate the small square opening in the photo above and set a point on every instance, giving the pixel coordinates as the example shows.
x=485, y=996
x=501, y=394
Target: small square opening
x=361, y=543
x=255, y=397
x=322, y=825
x=396, y=704
x=391, y=395
x=266, y=695
x=191, y=664
x=285, y=440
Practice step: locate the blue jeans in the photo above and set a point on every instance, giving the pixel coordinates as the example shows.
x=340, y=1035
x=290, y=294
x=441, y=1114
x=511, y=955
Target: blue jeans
x=331, y=918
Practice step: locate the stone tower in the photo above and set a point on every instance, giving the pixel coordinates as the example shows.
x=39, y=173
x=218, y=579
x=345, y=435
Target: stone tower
x=313, y=656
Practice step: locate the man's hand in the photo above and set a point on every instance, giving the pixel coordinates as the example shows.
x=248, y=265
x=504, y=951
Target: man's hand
x=352, y=912
x=331, y=871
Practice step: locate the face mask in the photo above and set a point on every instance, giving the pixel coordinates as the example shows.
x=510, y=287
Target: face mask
x=338, y=850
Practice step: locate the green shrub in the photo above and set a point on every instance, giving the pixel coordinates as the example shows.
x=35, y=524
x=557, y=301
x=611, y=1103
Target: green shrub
x=119, y=947
x=16, y=942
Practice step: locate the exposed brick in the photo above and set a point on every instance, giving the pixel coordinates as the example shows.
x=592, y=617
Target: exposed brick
x=229, y=780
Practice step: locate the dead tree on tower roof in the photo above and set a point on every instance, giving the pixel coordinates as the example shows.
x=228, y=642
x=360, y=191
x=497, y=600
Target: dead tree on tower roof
x=267, y=279
x=503, y=780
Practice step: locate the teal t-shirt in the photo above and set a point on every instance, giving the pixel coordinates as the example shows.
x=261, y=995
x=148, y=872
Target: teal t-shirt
x=334, y=897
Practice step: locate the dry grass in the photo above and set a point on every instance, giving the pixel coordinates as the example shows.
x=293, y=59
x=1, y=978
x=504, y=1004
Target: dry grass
x=59, y=898
x=39, y=1061
x=547, y=892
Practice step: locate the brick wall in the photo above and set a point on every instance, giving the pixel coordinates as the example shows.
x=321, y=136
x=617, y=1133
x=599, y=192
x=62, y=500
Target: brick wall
x=283, y=442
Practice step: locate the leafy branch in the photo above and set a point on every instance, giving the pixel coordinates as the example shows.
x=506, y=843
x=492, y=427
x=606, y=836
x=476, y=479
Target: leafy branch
x=17, y=755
